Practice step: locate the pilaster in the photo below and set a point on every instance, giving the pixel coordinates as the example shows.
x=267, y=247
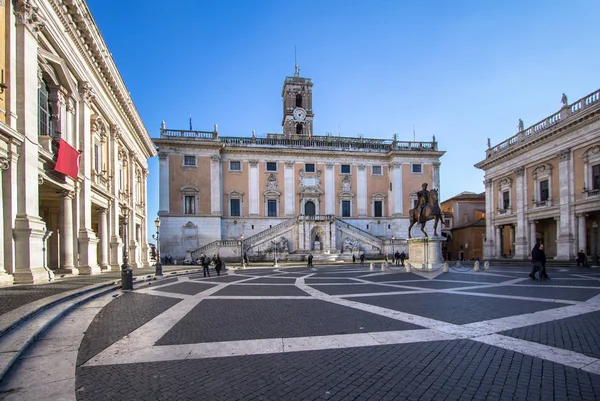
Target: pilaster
x=521, y=250
x=581, y=231
x=565, y=241
x=29, y=228
x=396, y=169
x=116, y=254
x=253, y=187
x=488, y=245
x=289, y=185
x=361, y=190
x=87, y=240
x=5, y=278
x=216, y=193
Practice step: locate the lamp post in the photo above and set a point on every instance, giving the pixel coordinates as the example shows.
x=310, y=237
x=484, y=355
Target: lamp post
x=158, y=266
x=126, y=272
x=243, y=262
x=394, y=249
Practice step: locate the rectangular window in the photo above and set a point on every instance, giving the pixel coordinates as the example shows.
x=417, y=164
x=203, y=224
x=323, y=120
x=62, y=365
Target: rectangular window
x=505, y=200
x=544, y=192
x=190, y=204
x=447, y=222
x=189, y=160
x=377, y=170
x=596, y=177
x=345, y=208
x=309, y=167
x=271, y=166
x=96, y=158
x=378, y=209
x=417, y=168
x=345, y=169
x=235, y=166
x=272, y=208
x=235, y=207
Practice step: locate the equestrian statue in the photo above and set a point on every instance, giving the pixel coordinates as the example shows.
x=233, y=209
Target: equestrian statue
x=428, y=208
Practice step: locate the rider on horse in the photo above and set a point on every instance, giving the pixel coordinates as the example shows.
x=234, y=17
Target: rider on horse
x=422, y=200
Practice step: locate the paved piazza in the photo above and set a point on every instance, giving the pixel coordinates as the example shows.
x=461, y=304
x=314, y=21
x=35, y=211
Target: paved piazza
x=343, y=333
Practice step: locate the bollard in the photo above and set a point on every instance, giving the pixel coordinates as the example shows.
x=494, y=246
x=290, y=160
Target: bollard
x=383, y=266
x=476, y=266
x=445, y=267
x=486, y=265
x=371, y=266
x=408, y=267
x=458, y=263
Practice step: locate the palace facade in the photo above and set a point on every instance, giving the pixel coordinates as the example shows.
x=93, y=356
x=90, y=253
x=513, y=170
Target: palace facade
x=464, y=226
x=543, y=185
x=62, y=100
x=291, y=193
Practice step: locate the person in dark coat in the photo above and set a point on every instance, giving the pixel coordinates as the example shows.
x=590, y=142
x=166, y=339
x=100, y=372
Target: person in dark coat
x=362, y=259
x=402, y=257
x=581, y=258
x=218, y=265
x=205, y=265
x=353, y=259
x=310, y=259
x=538, y=259
x=397, y=258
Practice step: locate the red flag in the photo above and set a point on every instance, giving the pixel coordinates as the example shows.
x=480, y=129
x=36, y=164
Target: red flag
x=68, y=160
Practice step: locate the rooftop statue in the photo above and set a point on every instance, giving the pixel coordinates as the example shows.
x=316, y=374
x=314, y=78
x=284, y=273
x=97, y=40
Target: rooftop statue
x=564, y=100
x=428, y=208
x=521, y=126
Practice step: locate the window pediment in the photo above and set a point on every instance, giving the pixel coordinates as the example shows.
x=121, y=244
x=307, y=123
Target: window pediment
x=591, y=153
x=543, y=169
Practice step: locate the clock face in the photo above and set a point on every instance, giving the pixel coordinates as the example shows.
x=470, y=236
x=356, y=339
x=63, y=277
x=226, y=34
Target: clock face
x=299, y=114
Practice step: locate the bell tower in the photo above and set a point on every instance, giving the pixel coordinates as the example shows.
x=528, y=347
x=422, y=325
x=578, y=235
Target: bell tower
x=297, y=105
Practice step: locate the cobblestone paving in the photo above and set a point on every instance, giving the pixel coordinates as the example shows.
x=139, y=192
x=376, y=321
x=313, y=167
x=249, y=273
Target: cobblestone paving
x=336, y=333
x=578, y=333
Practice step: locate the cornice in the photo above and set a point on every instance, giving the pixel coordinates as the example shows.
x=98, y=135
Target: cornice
x=557, y=131
x=80, y=26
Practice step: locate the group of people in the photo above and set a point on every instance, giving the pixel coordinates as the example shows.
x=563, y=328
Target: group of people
x=399, y=258
x=361, y=257
x=205, y=262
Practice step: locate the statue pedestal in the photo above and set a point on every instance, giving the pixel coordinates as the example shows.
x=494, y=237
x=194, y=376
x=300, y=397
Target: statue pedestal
x=425, y=253
x=317, y=246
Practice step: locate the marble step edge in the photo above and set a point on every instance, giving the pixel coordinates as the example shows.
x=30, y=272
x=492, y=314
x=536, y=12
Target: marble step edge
x=15, y=342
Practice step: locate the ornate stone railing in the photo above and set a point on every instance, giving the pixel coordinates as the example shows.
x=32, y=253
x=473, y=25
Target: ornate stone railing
x=317, y=217
x=269, y=232
x=568, y=111
x=210, y=248
x=344, y=225
x=591, y=192
x=316, y=142
x=544, y=203
x=504, y=211
x=101, y=180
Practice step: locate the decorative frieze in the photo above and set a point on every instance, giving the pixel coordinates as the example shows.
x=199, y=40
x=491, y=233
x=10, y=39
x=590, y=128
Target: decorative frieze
x=28, y=14
x=162, y=155
x=564, y=154
x=4, y=163
x=290, y=164
x=253, y=163
x=86, y=91
x=215, y=158
x=520, y=171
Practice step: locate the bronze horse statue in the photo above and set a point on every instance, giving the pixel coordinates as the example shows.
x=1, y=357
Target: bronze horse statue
x=430, y=211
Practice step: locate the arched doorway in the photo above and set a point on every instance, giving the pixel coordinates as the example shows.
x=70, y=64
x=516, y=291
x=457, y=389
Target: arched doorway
x=309, y=208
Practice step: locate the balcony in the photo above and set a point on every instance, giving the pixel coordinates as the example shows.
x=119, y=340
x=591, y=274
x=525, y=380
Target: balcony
x=101, y=179
x=591, y=193
x=542, y=204
x=505, y=211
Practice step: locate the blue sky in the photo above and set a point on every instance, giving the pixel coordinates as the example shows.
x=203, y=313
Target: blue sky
x=460, y=70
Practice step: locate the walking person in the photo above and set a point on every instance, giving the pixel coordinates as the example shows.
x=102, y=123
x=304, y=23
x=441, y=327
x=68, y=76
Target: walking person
x=205, y=266
x=581, y=258
x=538, y=259
x=218, y=265
x=310, y=259
x=397, y=258
x=362, y=259
x=353, y=259
x=402, y=257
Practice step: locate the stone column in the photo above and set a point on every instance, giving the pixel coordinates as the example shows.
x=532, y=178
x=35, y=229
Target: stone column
x=163, y=183
x=329, y=189
x=29, y=228
x=143, y=200
x=581, y=232
x=396, y=168
x=289, y=182
x=565, y=240
x=134, y=256
x=532, y=234
x=87, y=240
x=5, y=278
x=253, y=188
x=103, y=234
x=361, y=190
x=116, y=254
x=488, y=245
x=520, y=239
x=66, y=234
x=10, y=199
x=216, y=193
x=52, y=242
x=499, y=241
